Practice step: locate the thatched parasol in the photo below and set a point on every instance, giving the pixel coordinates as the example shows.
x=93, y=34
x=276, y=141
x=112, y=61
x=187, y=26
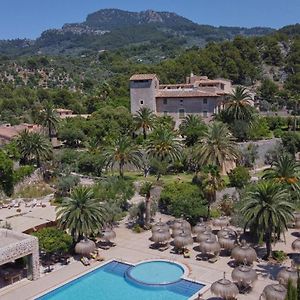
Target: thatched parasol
x=201, y=227
x=160, y=236
x=224, y=288
x=180, y=223
x=204, y=236
x=85, y=247
x=222, y=221
x=296, y=245
x=107, y=235
x=244, y=253
x=274, y=292
x=286, y=274
x=210, y=246
x=182, y=240
x=177, y=231
x=227, y=242
x=160, y=225
x=244, y=275
x=226, y=231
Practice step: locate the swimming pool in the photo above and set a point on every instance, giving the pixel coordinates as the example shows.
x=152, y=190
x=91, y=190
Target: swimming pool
x=110, y=282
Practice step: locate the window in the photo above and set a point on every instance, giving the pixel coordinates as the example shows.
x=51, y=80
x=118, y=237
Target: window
x=181, y=113
x=204, y=101
x=141, y=102
x=165, y=113
x=205, y=115
x=165, y=101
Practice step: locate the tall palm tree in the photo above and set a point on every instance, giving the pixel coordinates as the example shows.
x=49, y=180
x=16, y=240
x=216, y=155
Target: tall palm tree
x=192, y=127
x=163, y=146
x=146, y=192
x=211, y=183
x=49, y=119
x=33, y=145
x=81, y=214
x=217, y=147
x=285, y=170
x=122, y=152
x=267, y=211
x=144, y=119
x=238, y=105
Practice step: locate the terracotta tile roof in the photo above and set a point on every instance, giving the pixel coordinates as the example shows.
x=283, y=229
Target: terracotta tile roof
x=184, y=94
x=10, y=132
x=143, y=76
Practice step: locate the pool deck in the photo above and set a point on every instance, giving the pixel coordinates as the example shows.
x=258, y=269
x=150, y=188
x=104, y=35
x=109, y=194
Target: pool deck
x=134, y=248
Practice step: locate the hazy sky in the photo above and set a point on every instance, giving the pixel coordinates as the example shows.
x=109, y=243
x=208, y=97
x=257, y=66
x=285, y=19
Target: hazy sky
x=28, y=18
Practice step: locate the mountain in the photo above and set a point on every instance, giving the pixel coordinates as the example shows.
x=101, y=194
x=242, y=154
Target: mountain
x=113, y=28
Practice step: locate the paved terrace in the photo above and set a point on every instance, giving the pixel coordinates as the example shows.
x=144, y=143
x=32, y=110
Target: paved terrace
x=133, y=248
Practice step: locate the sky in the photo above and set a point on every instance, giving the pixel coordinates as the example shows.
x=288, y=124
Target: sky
x=29, y=18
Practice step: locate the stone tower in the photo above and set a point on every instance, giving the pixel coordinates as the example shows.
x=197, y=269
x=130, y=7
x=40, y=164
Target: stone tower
x=143, y=88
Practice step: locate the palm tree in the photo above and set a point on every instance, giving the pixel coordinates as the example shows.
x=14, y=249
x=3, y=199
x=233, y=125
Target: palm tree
x=146, y=192
x=122, y=151
x=217, y=147
x=49, y=119
x=267, y=211
x=238, y=105
x=285, y=170
x=81, y=214
x=192, y=127
x=33, y=145
x=163, y=146
x=144, y=119
x=211, y=183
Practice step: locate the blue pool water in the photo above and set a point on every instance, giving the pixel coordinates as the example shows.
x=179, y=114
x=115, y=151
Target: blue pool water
x=156, y=272
x=109, y=283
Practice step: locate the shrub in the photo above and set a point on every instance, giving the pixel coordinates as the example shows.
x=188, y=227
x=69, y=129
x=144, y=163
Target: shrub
x=137, y=228
x=239, y=177
x=183, y=199
x=53, y=240
x=226, y=205
x=291, y=142
x=278, y=133
x=22, y=173
x=279, y=255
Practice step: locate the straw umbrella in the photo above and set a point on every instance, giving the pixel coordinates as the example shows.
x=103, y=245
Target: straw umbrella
x=182, y=240
x=286, y=274
x=274, y=292
x=204, y=236
x=210, y=246
x=201, y=227
x=244, y=253
x=180, y=223
x=224, y=288
x=227, y=242
x=225, y=231
x=296, y=245
x=221, y=222
x=107, y=235
x=160, y=236
x=85, y=247
x=160, y=225
x=177, y=231
x=243, y=275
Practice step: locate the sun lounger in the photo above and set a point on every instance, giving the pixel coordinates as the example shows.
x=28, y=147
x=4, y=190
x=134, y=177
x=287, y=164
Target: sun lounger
x=85, y=261
x=213, y=260
x=39, y=204
x=186, y=254
x=164, y=248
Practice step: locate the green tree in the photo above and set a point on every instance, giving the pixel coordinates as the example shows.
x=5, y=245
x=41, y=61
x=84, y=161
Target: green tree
x=267, y=211
x=192, y=128
x=285, y=170
x=217, y=147
x=239, y=177
x=146, y=192
x=6, y=174
x=122, y=151
x=163, y=146
x=238, y=105
x=144, y=119
x=49, y=119
x=33, y=145
x=81, y=213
